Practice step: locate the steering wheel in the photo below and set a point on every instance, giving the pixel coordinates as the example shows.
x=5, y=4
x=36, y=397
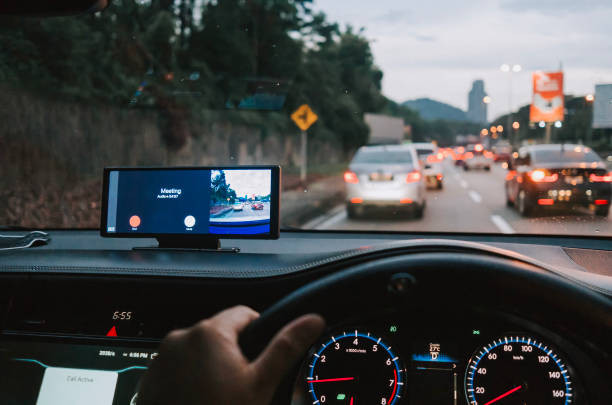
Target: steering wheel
x=396, y=279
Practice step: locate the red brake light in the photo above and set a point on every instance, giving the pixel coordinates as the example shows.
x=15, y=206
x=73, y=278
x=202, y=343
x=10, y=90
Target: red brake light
x=542, y=176
x=546, y=201
x=435, y=158
x=479, y=148
x=601, y=202
x=413, y=177
x=606, y=178
x=351, y=177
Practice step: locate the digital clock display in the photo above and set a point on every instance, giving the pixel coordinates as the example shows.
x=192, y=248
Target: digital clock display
x=122, y=315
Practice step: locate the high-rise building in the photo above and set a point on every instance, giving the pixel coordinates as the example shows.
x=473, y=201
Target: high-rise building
x=477, y=108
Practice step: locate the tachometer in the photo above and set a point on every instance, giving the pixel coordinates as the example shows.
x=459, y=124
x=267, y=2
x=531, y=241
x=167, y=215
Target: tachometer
x=517, y=370
x=355, y=368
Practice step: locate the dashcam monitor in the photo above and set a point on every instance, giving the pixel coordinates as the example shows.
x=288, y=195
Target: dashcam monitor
x=228, y=202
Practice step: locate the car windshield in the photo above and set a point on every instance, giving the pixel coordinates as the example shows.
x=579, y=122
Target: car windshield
x=305, y=84
x=570, y=155
x=424, y=152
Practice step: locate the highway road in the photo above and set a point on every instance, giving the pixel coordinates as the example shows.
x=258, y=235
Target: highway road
x=472, y=201
x=247, y=213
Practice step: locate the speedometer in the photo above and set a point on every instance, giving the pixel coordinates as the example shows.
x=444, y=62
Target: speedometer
x=355, y=368
x=517, y=370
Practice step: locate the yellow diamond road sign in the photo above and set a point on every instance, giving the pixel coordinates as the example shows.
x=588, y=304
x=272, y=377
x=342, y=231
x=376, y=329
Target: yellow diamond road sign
x=304, y=117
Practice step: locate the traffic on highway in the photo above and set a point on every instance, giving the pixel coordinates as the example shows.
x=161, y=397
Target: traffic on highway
x=549, y=189
x=441, y=116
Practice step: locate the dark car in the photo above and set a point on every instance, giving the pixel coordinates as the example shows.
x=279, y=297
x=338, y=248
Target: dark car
x=558, y=176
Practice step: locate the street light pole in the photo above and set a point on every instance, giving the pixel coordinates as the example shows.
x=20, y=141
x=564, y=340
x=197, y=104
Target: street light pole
x=514, y=141
x=510, y=70
x=509, y=120
x=589, y=98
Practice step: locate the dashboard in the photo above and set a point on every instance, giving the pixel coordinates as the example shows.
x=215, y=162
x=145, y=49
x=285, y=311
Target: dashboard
x=85, y=323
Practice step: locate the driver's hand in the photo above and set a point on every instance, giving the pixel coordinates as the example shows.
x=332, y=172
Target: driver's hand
x=204, y=365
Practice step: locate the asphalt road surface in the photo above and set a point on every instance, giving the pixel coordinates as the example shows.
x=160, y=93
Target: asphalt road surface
x=248, y=212
x=472, y=201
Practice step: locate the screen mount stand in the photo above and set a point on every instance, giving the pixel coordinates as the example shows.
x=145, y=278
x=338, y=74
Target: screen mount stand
x=204, y=244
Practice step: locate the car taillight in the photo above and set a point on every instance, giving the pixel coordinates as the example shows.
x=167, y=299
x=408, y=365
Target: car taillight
x=413, y=177
x=351, y=177
x=434, y=158
x=606, y=178
x=542, y=176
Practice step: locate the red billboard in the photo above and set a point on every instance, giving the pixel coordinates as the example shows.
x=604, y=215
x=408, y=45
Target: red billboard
x=547, y=101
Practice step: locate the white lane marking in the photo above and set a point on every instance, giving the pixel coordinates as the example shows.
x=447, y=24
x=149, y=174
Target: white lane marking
x=463, y=183
x=475, y=196
x=315, y=223
x=502, y=224
x=335, y=219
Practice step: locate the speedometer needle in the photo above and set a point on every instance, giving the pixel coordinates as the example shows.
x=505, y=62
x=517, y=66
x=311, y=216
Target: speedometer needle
x=505, y=394
x=332, y=379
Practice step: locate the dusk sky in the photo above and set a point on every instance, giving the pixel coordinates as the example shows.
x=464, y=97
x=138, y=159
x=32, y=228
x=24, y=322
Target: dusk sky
x=436, y=48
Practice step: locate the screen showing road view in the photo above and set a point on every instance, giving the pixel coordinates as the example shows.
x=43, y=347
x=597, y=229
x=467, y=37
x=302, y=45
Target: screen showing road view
x=189, y=201
x=240, y=201
x=485, y=116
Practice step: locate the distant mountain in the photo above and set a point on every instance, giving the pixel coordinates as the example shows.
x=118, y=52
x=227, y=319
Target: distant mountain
x=432, y=110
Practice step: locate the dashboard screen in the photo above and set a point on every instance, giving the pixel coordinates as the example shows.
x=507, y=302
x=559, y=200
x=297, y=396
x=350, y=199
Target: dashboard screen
x=237, y=201
x=35, y=373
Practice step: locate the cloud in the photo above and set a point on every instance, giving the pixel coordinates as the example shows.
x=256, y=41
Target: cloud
x=393, y=17
x=436, y=48
x=555, y=7
x=424, y=38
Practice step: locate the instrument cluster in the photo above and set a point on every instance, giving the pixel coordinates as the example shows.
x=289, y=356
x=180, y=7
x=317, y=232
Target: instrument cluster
x=483, y=361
